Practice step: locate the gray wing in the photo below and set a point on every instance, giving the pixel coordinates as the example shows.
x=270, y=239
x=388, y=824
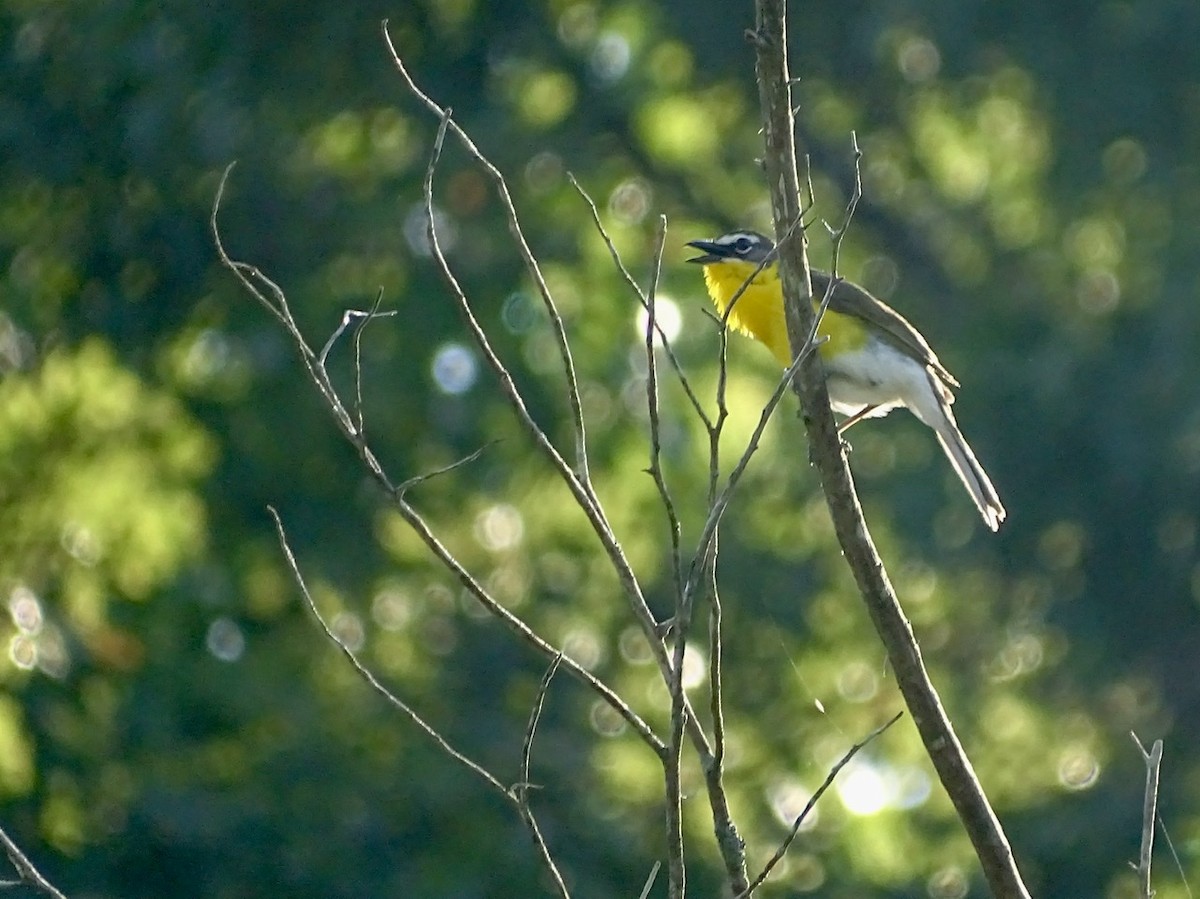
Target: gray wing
x=850, y=299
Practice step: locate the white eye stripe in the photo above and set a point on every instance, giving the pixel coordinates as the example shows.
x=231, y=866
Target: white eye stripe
x=739, y=237
x=749, y=245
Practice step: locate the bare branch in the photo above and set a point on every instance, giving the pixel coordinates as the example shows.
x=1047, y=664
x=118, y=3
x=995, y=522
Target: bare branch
x=729, y=841
x=271, y=296
x=1153, y=760
x=365, y=673
x=347, y=317
x=321, y=381
x=721, y=502
x=518, y=793
x=247, y=274
x=518, y=234
x=524, y=631
x=812, y=801
x=937, y=733
x=577, y=481
x=25, y=868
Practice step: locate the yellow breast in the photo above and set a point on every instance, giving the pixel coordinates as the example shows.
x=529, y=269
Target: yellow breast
x=758, y=312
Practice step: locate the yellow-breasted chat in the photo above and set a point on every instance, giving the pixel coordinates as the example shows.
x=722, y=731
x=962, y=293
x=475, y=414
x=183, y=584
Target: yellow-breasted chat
x=874, y=360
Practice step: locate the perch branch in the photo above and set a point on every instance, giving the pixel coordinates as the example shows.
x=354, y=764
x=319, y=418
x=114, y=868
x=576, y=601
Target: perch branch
x=937, y=733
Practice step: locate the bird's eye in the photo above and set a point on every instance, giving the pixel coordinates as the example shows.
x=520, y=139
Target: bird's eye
x=741, y=246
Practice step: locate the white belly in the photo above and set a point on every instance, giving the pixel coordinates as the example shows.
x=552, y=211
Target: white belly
x=880, y=376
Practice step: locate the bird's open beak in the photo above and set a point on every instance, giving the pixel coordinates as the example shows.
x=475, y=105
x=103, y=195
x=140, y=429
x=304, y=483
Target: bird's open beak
x=712, y=251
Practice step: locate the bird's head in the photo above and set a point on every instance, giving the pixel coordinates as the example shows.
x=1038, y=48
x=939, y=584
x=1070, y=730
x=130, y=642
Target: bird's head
x=736, y=246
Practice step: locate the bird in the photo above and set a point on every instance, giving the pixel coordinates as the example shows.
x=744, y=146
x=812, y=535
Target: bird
x=874, y=360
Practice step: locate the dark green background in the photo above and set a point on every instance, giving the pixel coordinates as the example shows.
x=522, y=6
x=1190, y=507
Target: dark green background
x=172, y=723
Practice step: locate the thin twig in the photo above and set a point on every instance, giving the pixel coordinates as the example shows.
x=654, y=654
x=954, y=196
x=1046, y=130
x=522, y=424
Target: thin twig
x=715, y=675
x=518, y=234
x=1153, y=760
x=358, y=333
x=272, y=298
x=716, y=428
x=363, y=318
x=417, y=480
x=365, y=673
x=730, y=842
x=521, y=790
x=655, y=469
x=721, y=502
x=517, y=794
x=808, y=806
x=697, y=407
x=1187, y=887
x=676, y=869
x=518, y=626
x=353, y=315
x=649, y=885
x=25, y=868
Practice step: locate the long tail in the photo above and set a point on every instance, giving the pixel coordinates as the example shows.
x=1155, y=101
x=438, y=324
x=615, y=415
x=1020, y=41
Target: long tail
x=967, y=467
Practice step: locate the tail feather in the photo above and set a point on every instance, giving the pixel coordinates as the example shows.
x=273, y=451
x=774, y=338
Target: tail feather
x=930, y=402
x=969, y=471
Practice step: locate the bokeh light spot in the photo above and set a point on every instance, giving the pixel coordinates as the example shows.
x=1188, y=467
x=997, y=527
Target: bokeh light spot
x=605, y=720
x=666, y=315
x=348, y=628
x=1078, y=768
x=454, y=368
x=499, y=528
x=225, y=640
x=948, y=883
x=22, y=649
x=630, y=201
x=918, y=59
x=858, y=682
x=392, y=609
x=26, y=610
x=610, y=57
x=787, y=799
x=695, y=668
x=518, y=313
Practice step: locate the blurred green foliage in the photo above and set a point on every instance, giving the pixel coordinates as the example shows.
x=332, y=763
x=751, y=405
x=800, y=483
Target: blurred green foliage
x=172, y=722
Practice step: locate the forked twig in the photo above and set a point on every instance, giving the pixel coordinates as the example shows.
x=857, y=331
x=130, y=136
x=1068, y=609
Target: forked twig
x=520, y=790
x=1153, y=760
x=28, y=873
x=518, y=793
